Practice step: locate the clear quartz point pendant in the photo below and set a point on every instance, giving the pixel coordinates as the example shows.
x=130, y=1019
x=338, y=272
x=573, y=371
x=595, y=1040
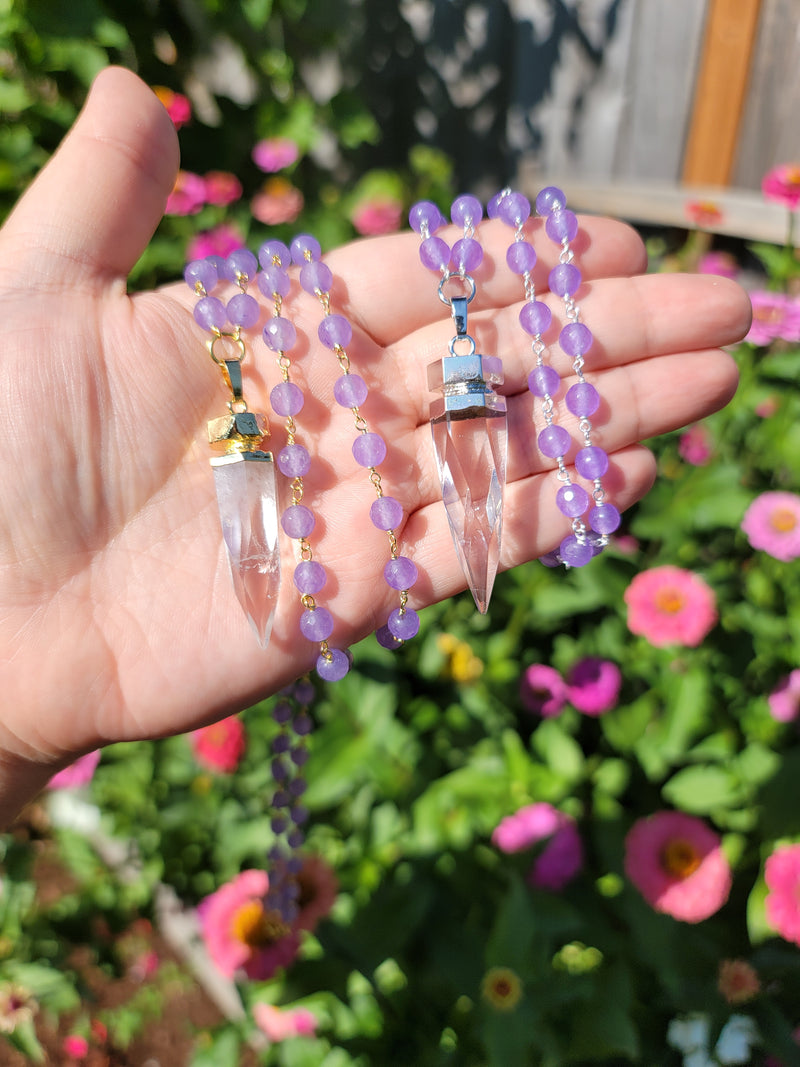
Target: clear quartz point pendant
x=470, y=440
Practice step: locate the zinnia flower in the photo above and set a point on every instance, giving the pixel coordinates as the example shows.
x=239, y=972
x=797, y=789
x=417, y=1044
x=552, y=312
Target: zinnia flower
x=77, y=774
x=239, y=932
x=722, y=263
x=502, y=988
x=219, y=241
x=782, y=875
x=784, y=700
x=222, y=187
x=219, y=747
x=318, y=888
x=772, y=524
x=775, y=315
x=275, y=153
x=543, y=691
x=593, y=685
x=282, y=1023
x=279, y=201
x=562, y=856
x=704, y=213
x=694, y=446
x=782, y=184
x=373, y=217
x=669, y=605
x=738, y=981
x=677, y=864
x=17, y=1006
x=75, y=1046
x=188, y=194
x=178, y=107
x=525, y=827
x=462, y=664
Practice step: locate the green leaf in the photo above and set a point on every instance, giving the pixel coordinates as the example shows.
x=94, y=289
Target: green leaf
x=604, y=1027
x=257, y=12
x=700, y=790
x=560, y=752
x=758, y=929
x=24, y=1039
x=222, y=1051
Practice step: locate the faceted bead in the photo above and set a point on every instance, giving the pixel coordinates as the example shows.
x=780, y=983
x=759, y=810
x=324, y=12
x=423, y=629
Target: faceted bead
x=582, y=399
x=535, y=317
x=280, y=772
x=564, y=279
x=274, y=253
x=369, y=449
x=299, y=756
x=425, y=214
x=202, y=271
x=279, y=334
x=282, y=712
x=335, y=668
x=549, y=199
x=296, y=839
x=403, y=623
x=386, y=639
x=591, y=462
x=400, y=573
x=573, y=553
x=243, y=310
x=274, y=280
x=561, y=226
x=316, y=624
x=209, y=312
x=280, y=744
x=521, y=257
x=297, y=787
x=554, y=441
x=466, y=255
x=294, y=461
x=604, y=518
x=434, y=253
x=572, y=500
x=335, y=330
x=350, y=390
x=386, y=513
x=298, y=814
x=575, y=339
x=305, y=248
x=280, y=799
x=304, y=691
x=544, y=381
x=248, y=511
x=309, y=576
x=242, y=263
x=297, y=521
x=286, y=399
x=279, y=824
x=514, y=209
x=302, y=724
x=466, y=211
x=315, y=277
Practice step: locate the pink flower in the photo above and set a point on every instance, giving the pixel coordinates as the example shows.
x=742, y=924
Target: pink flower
x=240, y=933
x=220, y=241
x=784, y=700
x=670, y=605
x=782, y=875
x=718, y=263
x=775, y=315
x=275, y=153
x=318, y=888
x=737, y=981
x=767, y=407
x=222, y=187
x=178, y=107
x=281, y=1023
x=772, y=524
x=694, y=446
x=704, y=213
x=188, y=194
x=77, y=774
x=75, y=1046
x=782, y=184
x=279, y=201
x=562, y=856
x=543, y=690
x=677, y=864
x=374, y=217
x=219, y=747
x=525, y=827
x=593, y=685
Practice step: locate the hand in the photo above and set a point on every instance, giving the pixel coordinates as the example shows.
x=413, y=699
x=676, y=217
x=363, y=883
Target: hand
x=117, y=616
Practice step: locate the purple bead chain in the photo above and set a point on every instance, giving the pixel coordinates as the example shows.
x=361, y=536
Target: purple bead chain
x=369, y=449
x=294, y=461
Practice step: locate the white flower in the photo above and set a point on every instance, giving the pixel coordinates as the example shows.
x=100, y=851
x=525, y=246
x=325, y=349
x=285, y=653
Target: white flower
x=738, y=1035
x=690, y=1036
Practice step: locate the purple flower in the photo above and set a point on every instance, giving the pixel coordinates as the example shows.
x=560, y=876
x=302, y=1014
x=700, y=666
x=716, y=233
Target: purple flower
x=560, y=860
x=593, y=685
x=772, y=524
x=543, y=691
x=275, y=153
x=784, y=700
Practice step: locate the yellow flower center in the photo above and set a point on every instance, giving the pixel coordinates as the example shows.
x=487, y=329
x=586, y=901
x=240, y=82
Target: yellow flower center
x=255, y=927
x=680, y=858
x=783, y=520
x=670, y=600
x=768, y=313
x=792, y=176
x=502, y=988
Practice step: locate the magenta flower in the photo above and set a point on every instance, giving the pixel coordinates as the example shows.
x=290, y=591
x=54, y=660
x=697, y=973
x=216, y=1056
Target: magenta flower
x=220, y=241
x=775, y=316
x=188, y=194
x=670, y=606
x=279, y=201
x=282, y=1023
x=593, y=685
x=77, y=774
x=782, y=184
x=562, y=857
x=722, y=263
x=694, y=446
x=240, y=933
x=543, y=690
x=772, y=524
x=677, y=864
x=220, y=746
x=275, y=153
x=784, y=700
x=373, y=217
x=178, y=107
x=526, y=827
x=222, y=187
x=782, y=875
x=75, y=1046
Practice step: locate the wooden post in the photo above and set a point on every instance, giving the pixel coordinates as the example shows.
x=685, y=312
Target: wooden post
x=721, y=86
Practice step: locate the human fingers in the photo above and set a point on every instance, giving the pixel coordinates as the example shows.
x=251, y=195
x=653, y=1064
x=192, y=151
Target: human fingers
x=91, y=211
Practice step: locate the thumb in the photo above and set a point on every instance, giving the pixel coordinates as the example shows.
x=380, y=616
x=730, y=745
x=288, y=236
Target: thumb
x=92, y=210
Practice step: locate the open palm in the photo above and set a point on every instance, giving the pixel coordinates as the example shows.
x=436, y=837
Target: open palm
x=117, y=616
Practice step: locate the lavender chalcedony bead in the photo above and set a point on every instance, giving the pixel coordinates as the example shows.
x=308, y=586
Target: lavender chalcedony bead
x=305, y=248
x=316, y=624
x=274, y=253
x=466, y=211
x=544, y=381
x=350, y=390
x=200, y=270
x=550, y=199
x=582, y=399
x=604, y=518
x=493, y=206
x=572, y=500
x=386, y=639
x=535, y=317
x=575, y=339
x=466, y=255
x=333, y=669
x=243, y=310
x=335, y=330
x=434, y=253
x=286, y=399
x=561, y=226
x=425, y=213
x=403, y=623
x=386, y=513
x=316, y=277
x=574, y=553
x=400, y=573
x=294, y=461
x=554, y=441
x=309, y=576
x=564, y=279
x=209, y=312
x=274, y=280
x=242, y=262
x=369, y=449
x=298, y=521
x=591, y=462
x=279, y=334
x=514, y=209
x=521, y=257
